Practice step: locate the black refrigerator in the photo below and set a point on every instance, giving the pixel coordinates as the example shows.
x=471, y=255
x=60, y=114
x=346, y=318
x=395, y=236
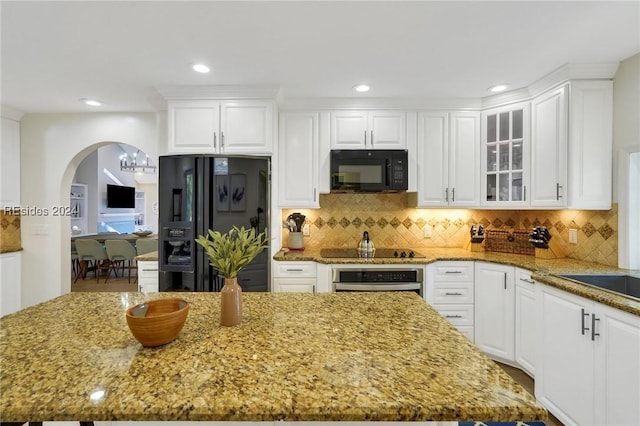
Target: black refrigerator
x=201, y=192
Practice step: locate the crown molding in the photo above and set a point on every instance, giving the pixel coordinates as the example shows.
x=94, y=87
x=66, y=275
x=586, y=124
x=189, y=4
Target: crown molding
x=10, y=113
x=512, y=96
x=457, y=104
x=572, y=71
x=219, y=92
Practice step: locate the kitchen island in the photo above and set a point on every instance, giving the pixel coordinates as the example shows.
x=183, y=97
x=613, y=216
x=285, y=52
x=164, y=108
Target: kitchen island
x=313, y=357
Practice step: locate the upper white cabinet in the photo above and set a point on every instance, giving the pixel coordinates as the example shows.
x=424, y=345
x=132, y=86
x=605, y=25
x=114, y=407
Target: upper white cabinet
x=505, y=155
x=368, y=130
x=225, y=127
x=448, y=159
x=10, y=161
x=549, y=148
x=298, y=156
x=495, y=309
x=590, y=145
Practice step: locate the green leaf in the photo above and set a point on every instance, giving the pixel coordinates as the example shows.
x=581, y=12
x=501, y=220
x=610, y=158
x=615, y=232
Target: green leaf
x=230, y=252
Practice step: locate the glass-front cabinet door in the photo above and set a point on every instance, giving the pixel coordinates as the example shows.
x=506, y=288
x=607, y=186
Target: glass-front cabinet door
x=505, y=151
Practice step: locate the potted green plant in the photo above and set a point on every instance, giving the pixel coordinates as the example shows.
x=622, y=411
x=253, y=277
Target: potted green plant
x=228, y=253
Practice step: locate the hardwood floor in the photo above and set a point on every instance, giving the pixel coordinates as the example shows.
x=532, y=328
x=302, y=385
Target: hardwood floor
x=527, y=382
x=114, y=283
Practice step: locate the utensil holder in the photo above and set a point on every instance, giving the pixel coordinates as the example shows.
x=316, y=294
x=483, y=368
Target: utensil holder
x=296, y=241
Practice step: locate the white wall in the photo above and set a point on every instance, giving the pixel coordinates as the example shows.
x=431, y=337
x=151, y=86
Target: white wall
x=626, y=110
x=52, y=147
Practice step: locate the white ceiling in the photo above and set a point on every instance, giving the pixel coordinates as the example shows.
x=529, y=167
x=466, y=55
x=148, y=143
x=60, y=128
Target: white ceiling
x=54, y=53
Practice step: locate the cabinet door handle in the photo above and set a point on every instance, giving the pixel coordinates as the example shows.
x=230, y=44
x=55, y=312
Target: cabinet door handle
x=593, y=326
x=527, y=281
x=584, y=314
x=365, y=138
x=525, y=193
x=314, y=194
x=221, y=139
x=453, y=316
x=452, y=272
x=372, y=139
x=453, y=195
x=453, y=294
x=558, y=186
x=505, y=280
x=215, y=142
x=446, y=195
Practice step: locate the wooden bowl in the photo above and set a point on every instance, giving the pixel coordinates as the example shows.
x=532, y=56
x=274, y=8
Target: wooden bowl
x=157, y=322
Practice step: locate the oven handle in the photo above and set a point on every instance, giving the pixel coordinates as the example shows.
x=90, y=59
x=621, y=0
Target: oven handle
x=378, y=286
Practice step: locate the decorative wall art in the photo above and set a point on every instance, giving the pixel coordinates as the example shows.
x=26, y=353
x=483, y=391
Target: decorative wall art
x=222, y=193
x=238, y=192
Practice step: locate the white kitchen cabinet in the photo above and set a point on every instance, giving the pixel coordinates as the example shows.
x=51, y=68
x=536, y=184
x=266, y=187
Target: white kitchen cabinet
x=525, y=321
x=294, y=276
x=148, y=276
x=368, y=130
x=590, y=145
x=617, y=360
x=549, y=149
x=220, y=127
x=10, y=161
x=505, y=156
x=449, y=289
x=78, y=209
x=10, y=283
x=494, y=309
x=588, y=368
x=448, y=155
x=298, y=152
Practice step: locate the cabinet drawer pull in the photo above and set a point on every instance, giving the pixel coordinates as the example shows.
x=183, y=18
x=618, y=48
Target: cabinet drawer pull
x=452, y=272
x=584, y=314
x=150, y=270
x=527, y=281
x=294, y=270
x=593, y=326
x=453, y=294
x=453, y=316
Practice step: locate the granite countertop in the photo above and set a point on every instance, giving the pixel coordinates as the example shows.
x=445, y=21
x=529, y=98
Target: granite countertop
x=296, y=356
x=147, y=257
x=10, y=249
x=543, y=270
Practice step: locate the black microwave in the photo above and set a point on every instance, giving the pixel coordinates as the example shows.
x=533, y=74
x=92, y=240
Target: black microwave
x=362, y=170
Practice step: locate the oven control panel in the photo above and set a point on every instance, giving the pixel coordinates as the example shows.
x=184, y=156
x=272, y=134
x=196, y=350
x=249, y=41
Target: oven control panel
x=377, y=275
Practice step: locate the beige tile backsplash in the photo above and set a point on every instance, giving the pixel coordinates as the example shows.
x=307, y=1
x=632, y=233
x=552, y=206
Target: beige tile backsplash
x=9, y=232
x=342, y=218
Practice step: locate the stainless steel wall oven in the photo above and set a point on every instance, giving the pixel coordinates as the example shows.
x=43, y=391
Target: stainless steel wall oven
x=374, y=279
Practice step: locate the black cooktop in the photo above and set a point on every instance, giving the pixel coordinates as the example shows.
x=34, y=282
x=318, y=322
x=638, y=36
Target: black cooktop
x=379, y=253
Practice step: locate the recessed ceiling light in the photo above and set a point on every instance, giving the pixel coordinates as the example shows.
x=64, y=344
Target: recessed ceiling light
x=498, y=88
x=201, y=68
x=91, y=102
x=361, y=88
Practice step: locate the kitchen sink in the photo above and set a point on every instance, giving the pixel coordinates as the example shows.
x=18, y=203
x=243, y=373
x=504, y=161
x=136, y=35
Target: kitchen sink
x=626, y=285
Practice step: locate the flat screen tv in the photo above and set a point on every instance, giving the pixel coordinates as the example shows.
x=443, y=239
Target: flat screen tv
x=121, y=197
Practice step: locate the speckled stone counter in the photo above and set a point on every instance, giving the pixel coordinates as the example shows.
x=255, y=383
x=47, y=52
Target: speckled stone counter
x=147, y=257
x=543, y=269
x=314, y=357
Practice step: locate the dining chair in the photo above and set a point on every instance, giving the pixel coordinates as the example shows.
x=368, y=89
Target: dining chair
x=146, y=245
x=121, y=253
x=91, y=253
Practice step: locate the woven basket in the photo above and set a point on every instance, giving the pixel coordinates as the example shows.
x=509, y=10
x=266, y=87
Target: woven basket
x=508, y=241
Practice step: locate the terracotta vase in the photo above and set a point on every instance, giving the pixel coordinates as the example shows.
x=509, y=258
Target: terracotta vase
x=231, y=303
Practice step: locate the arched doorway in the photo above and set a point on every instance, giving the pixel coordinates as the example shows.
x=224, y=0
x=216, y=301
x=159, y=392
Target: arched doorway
x=117, y=165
